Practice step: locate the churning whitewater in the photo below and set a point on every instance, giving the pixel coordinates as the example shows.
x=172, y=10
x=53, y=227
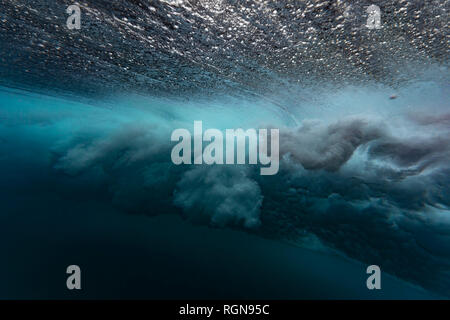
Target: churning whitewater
x=360, y=115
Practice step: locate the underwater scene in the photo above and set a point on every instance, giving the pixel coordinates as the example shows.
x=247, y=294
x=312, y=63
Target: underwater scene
x=224, y=149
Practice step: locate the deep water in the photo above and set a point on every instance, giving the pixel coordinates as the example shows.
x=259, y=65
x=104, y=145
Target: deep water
x=91, y=183
x=86, y=176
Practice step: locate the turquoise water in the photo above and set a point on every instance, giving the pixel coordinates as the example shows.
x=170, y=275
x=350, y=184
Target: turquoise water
x=86, y=118
x=91, y=182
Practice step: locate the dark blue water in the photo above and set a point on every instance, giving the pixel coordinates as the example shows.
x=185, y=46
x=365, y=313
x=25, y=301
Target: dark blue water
x=86, y=176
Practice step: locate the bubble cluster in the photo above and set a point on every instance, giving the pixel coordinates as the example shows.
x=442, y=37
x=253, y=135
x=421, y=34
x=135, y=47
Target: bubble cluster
x=180, y=47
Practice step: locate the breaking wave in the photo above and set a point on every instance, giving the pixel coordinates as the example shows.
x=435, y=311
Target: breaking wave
x=363, y=115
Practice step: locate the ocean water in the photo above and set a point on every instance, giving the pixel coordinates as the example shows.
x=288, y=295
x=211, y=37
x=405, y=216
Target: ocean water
x=87, y=179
